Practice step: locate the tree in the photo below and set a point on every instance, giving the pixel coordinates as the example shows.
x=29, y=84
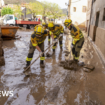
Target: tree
x=34, y=8
x=46, y=7
x=55, y=10
x=6, y=10
x=17, y=11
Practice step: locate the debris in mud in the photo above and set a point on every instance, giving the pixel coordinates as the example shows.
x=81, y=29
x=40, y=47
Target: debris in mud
x=52, y=94
x=86, y=70
x=92, y=103
x=67, y=52
x=2, y=61
x=48, y=55
x=17, y=37
x=67, y=65
x=82, y=56
x=85, y=50
x=70, y=65
x=27, y=73
x=80, y=63
x=91, y=67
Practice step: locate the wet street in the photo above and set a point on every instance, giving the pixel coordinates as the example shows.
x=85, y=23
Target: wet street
x=52, y=85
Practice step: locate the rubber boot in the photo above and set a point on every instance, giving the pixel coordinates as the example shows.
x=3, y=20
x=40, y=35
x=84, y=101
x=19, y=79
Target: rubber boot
x=76, y=61
x=28, y=63
x=60, y=48
x=53, y=50
x=48, y=42
x=72, y=61
x=42, y=65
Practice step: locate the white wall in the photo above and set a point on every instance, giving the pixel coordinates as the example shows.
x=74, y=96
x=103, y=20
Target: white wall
x=78, y=16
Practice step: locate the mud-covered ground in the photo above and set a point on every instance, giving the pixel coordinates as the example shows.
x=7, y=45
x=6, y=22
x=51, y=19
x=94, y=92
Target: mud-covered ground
x=52, y=85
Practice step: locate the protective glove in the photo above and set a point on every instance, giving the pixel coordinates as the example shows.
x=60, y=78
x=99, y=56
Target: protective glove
x=40, y=54
x=61, y=35
x=72, y=45
x=54, y=41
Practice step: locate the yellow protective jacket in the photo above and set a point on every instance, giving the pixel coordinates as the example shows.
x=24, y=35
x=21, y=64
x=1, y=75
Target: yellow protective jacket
x=35, y=40
x=58, y=29
x=76, y=34
x=46, y=28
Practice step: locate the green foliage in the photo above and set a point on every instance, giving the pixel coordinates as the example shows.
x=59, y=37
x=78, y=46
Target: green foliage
x=46, y=7
x=17, y=11
x=34, y=8
x=18, y=1
x=6, y=10
x=55, y=11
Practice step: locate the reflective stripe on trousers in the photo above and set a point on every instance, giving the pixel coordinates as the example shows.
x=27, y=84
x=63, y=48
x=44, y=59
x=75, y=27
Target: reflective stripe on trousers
x=76, y=49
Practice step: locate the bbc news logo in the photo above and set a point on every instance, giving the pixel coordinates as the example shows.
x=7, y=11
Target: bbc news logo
x=6, y=93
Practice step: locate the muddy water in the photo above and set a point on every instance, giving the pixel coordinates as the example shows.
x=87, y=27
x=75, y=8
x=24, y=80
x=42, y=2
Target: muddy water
x=52, y=85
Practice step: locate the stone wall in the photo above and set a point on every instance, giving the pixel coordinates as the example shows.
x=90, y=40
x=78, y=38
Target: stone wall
x=100, y=40
x=91, y=31
x=2, y=62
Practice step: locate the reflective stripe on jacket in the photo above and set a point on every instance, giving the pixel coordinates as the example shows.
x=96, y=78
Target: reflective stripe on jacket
x=76, y=34
x=35, y=40
x=58, y=29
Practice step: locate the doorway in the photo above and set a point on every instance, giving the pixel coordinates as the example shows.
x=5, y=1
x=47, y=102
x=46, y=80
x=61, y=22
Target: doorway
x=96, y=25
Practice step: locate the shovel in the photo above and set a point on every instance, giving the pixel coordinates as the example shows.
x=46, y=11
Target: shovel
x=38, y=58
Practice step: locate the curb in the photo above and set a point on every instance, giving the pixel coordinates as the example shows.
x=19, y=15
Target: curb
x=98, y=52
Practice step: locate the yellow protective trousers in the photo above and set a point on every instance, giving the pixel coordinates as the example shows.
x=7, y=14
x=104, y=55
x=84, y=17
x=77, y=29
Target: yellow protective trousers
x=60, y=42
x=31, y=52
x=77, y=48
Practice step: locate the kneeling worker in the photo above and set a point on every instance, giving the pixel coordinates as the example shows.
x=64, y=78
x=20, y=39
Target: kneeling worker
x=37, y=42
x=78, y=39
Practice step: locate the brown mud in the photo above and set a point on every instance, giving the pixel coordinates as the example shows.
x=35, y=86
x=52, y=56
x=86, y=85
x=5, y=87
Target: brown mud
x=52, y=85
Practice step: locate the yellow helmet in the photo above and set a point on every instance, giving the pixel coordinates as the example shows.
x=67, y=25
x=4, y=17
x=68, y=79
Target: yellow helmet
x=43, y=23
x=68, y=22
x=51, y=25
x=39, y=31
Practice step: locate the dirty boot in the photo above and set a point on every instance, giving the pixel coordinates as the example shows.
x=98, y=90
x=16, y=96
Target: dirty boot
x=76, y=61
x=53, y=50
x=61, y=48
x=48, y=55
x=71, y=61
x=48, y=42
x=25, y=68
x=42, y=65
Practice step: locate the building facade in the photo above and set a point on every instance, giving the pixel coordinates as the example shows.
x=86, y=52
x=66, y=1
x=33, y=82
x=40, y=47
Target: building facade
x=95, y=23
x=78, y=12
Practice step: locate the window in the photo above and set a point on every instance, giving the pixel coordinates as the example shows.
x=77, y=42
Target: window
x=9, y=18
x=84, y=9
x=74, y=9
x=104, y=15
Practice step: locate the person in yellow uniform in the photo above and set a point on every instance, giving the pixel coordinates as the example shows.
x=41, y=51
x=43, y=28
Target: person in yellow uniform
x=37, y=42
x=57, y=30
x=78, y=39
x=45, y=26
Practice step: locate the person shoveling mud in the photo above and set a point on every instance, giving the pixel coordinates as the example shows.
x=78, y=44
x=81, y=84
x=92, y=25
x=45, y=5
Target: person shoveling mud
x=37, y=42
x=78, y=39
x=77, y=43
x=76, y=46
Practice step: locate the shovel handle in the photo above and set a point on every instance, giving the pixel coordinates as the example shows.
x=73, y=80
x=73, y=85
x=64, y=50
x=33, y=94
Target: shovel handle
x=42, y=53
